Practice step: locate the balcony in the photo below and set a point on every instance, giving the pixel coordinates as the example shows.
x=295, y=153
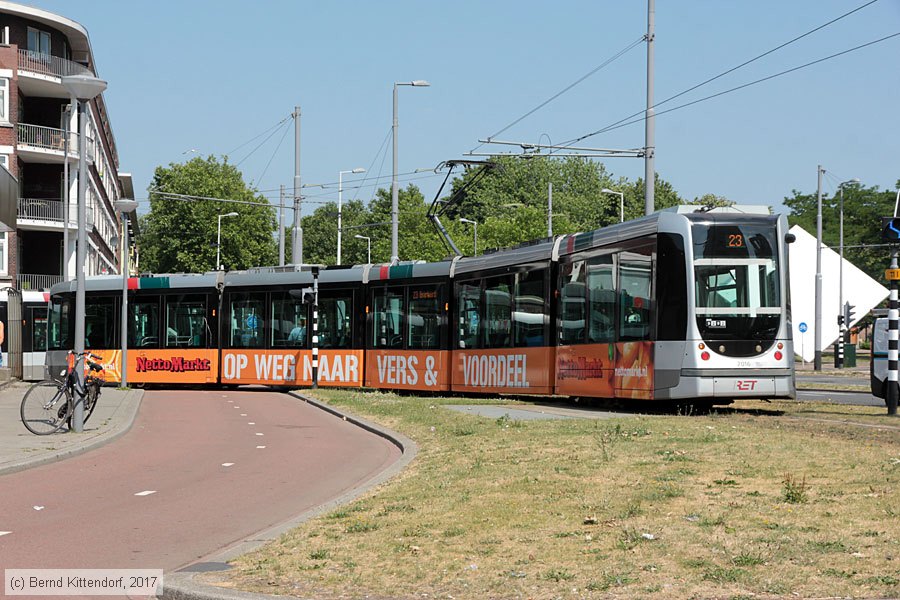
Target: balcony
x=42, y=214
x=36, y=282
x=41, y=74
x=36, y=143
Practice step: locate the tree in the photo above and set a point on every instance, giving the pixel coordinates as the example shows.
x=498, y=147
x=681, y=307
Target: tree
x=863, y=209
x=179, y=234
x=418, y=239
x=664, y=196
x=320, y=234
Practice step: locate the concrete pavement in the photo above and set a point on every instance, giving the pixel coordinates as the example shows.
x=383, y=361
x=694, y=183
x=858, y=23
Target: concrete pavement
x=20, y=449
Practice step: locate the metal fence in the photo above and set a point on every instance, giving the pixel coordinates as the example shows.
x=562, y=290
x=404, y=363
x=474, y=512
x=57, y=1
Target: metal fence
x=47, y=138
x=38, y=209
x=25, y=281
x=45, y=64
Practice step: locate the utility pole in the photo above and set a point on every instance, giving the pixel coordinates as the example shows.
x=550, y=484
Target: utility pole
x=893, y=391
x=649, y=143
x=817, y=361
x=550, y=210
x=281, y=228
x=297, y=240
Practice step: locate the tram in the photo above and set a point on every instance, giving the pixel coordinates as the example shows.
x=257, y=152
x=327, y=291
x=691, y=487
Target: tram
x=686, y=303
x=34, y=306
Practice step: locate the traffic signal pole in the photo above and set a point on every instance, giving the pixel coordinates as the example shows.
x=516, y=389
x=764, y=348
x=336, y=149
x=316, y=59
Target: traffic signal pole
x=893, y=392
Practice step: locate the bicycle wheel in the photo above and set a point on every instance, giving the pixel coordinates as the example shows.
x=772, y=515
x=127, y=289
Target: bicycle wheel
x=92, y=393
x=45, y=408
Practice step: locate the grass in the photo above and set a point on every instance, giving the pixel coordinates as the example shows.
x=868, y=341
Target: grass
x=660, y=506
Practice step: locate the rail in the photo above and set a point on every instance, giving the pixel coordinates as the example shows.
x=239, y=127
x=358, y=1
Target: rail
x=26, y=281
x=46, y=64
x=46, y=138
x=38, y=209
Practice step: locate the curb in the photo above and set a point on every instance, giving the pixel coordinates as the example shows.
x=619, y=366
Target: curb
x=181, y=584
x=130, y=404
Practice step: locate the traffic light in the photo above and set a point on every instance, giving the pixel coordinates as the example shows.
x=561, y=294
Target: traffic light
x=890, y=229
x=848, y=312
x=840, y=320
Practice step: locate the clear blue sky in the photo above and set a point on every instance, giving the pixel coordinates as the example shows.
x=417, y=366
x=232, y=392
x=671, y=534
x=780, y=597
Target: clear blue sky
x=212, y=74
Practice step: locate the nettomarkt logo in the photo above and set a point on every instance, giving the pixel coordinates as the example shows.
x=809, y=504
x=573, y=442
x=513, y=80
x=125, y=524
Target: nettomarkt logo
x=177, y=364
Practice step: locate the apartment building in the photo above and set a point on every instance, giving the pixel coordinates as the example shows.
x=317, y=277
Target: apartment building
x=39, y=143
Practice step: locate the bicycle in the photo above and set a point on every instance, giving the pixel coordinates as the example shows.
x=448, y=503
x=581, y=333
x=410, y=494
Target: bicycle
x=49, y=405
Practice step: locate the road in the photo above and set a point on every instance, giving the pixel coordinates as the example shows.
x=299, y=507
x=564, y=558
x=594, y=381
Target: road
x=856, y=398
x=834, y=380
x=198, y=472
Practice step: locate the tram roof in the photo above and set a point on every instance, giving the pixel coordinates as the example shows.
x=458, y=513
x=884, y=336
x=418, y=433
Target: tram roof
x=101, y=283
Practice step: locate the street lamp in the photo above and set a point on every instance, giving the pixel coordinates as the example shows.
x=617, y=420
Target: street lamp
x=368, y=247
x=474, y=224
x=621, y=202
x=219, y=239
x=340, y=203
x=844, y=327
x=83, y=88
x=125, y=207
x=395, y=223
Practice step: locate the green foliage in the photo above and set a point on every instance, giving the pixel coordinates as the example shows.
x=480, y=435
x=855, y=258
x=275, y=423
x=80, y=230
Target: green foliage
x=863, y=209
x=180, y=235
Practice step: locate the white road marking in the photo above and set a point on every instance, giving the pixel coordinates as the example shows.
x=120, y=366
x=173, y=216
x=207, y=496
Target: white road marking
x=227, y=464
x=2, y=533
x=260, y=433
x=230, y=401
x=146, y=493
x=251, y=423
x=236, y=406
x=243, y=414
x=38, y=507
x=259, y=447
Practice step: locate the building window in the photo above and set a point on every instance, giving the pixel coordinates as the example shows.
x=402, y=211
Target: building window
x=4, y=100
x=38, y=41
x=4, y=161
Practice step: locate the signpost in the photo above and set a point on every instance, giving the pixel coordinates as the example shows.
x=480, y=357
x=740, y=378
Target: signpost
x=803, y=327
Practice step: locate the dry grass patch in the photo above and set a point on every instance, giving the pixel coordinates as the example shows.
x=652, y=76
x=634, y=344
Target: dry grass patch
x=746, y=501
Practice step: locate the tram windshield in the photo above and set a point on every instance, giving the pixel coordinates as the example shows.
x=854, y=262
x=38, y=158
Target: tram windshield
x=737, y=291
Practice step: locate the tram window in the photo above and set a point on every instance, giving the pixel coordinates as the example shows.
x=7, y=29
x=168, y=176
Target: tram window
x=335, y=322
x=530, y=312
x=143, y=323
x=572, y=307
x=424, y=318
x=60, y=337
x=99, y=324
x=468, y=303
x=602, y=296
x=635, y=271
x=498, y=313
x=289, y=325
x=38, y=329
x=387, y=330
x=247, y=320
x=186, y=325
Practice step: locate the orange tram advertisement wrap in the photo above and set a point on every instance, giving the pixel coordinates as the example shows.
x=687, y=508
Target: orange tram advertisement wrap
x=688, y=304
x=623, y=370
x=277, y=367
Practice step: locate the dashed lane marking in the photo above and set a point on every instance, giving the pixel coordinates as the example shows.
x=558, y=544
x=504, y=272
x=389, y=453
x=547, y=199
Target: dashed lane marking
x=251, y=423
x=260, y=433
x=260, y=447
x=2, y=533
x=227, y=464
x=146, y=493
x=243, y=414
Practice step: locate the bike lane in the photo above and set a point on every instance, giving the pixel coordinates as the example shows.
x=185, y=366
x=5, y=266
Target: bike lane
x=198, y=472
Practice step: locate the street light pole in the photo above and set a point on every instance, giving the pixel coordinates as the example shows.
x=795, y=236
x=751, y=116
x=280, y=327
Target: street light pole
x=83, y=88
x=621, y=196
x=474, y=225
x=219, y=239
x=395, y=211
x=125, y=207
x=368, y=247
x=340, y=204
x=67, y=112
x=817, y=361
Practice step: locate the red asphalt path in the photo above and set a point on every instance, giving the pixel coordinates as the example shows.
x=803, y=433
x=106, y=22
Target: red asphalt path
x=91, y=517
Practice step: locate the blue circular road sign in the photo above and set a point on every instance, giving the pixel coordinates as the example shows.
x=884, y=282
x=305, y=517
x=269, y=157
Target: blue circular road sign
x=802, y=328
